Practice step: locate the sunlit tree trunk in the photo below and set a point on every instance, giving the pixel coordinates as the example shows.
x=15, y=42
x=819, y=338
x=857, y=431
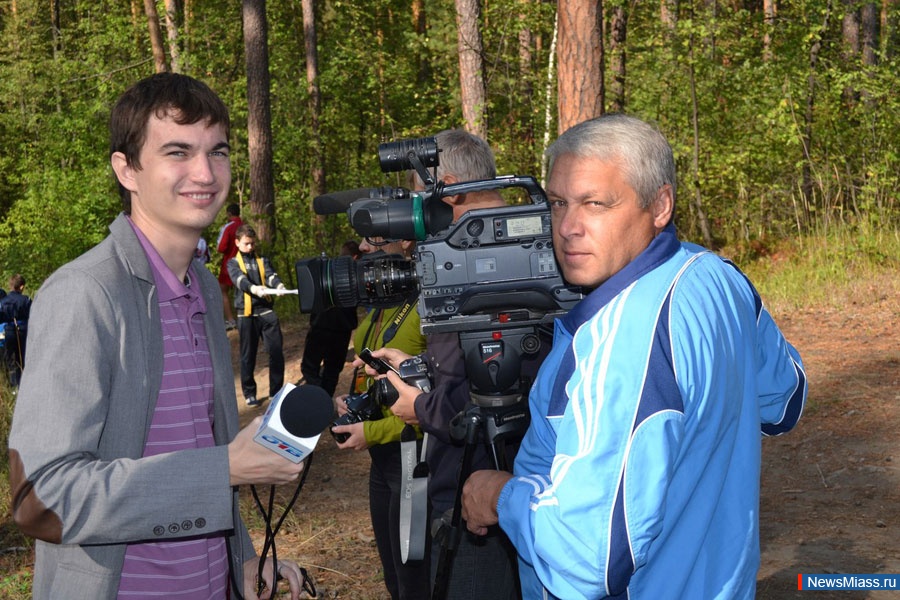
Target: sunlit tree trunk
x=172, y=35
x=156, y=41
x=770, y=12
x=579, y=62
x=471, y=66
x=259, y=120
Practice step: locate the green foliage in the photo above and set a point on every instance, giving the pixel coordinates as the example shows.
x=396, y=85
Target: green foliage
x=381, y=80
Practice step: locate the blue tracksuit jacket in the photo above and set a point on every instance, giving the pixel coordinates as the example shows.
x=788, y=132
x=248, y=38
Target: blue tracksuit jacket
x=639, y=475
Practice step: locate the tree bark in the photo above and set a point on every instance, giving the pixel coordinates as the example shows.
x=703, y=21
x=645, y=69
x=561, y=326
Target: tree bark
x=310, y=41
x=617, y=58
x=259, y=120
x=156, y=41
x=471, y=66
x=770, y=12
x=172, y=35
x=578, y=62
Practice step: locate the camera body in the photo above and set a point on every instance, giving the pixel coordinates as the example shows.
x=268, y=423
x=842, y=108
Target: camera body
x=367, y=405
x=491, y=260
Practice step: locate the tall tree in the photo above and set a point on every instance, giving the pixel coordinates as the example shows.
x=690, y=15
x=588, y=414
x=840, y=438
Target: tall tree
x=471, y=66
x=259, y=119
x=310, y=44
x=770, y=12
x=578, y=62
x=156, y=40
x=618, y=33
x=172, y=35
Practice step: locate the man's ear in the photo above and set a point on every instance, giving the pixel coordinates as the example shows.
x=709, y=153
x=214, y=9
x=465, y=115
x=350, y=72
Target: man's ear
x=663, y=207
x=124, y=172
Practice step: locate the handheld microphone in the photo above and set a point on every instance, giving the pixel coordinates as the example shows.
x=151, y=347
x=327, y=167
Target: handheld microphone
x=295, y=419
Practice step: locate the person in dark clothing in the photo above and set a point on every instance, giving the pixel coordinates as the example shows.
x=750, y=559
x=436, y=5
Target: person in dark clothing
x=254, y=278
x=325, y=349
x=14, y=309
x=481, y=566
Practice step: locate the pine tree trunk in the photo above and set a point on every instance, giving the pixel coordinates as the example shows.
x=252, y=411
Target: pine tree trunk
x=578, y=62
x=259, y=120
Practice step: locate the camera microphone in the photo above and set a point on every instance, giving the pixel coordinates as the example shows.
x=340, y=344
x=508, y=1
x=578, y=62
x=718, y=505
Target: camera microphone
x=336, y=203
x=295, y=419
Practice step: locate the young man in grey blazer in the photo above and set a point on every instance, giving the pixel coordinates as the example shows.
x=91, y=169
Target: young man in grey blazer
x=125, y=454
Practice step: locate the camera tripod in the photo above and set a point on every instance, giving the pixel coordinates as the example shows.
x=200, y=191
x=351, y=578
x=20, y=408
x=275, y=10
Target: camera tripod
x=498, y=412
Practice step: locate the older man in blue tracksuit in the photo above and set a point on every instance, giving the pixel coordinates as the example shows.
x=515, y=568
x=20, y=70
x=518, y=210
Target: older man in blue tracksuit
x=639, y=475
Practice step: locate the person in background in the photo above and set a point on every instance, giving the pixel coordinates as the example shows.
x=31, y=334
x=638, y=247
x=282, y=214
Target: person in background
x=325, y=348
x=386, y=327
x=201, y=254
x=124, y=451
x=485, y=566
x=15, y=308
x=639, y=474
x=253, y=277
x=226, y=245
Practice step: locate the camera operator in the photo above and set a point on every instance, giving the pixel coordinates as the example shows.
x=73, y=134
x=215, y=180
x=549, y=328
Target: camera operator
x=394, y=327
x=482, y=567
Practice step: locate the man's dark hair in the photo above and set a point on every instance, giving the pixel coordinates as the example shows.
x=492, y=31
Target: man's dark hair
x=233, y=210
x=185, y=99
x=16, y=283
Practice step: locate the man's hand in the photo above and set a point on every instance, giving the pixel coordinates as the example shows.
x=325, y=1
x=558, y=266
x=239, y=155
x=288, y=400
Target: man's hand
x=252, y=463
x=479, y=499
x=340, y=404
x=287, y=570
x=404, y=407
x=258, y=291
x=357, y=439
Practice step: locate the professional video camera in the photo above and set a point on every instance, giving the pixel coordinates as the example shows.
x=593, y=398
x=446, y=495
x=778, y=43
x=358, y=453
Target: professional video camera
x=491, y=278
x=492, y=261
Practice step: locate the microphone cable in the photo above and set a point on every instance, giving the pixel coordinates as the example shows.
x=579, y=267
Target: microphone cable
x=269, y=542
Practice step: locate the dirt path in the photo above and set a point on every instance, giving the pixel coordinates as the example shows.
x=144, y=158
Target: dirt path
x=830, y=489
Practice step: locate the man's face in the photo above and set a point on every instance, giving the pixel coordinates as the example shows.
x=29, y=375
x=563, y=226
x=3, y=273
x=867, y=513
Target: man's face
x=246, y=244
x=376, y=243
x=598, y=225
x=184, y=177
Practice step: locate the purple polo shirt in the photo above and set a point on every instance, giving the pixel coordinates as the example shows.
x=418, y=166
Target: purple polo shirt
x=190, y=567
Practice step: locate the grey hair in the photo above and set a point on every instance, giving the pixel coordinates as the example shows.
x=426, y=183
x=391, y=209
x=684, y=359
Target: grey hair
x=644, y=152
x=463, y=155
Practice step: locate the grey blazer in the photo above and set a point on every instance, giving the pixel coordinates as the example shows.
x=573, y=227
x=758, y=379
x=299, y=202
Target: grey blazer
x=85, y=404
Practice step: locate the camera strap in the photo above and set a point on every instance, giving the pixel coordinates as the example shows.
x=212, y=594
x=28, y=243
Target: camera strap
x=398, y=319
x=413, y=496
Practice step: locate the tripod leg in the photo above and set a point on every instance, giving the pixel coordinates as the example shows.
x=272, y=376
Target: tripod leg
x=450, y=541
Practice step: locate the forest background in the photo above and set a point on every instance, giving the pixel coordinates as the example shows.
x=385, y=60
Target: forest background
x=783, y=116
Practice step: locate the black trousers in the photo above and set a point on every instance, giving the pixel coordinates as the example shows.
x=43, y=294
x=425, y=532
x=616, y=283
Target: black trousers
x=324, y=355
x=250, y=330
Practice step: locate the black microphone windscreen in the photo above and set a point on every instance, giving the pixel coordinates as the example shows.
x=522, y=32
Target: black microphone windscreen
x=336, y=203
x=306, y=411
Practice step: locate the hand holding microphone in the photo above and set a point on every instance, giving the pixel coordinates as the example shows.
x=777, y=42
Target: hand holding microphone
x=271, y=449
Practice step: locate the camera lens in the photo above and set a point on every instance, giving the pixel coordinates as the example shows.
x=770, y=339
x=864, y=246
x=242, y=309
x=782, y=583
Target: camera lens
x=388, y=278
x=395, y=156
x=338, y=282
